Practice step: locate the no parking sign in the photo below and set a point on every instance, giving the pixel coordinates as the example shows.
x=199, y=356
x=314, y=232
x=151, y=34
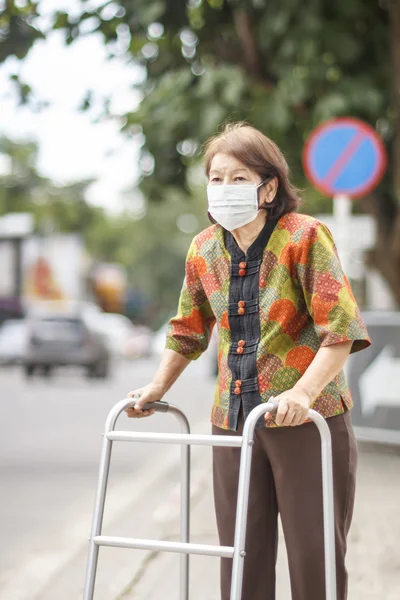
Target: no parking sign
x=344, y=158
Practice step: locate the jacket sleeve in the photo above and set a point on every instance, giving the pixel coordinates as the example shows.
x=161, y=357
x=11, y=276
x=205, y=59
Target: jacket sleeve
x=189, y=332
x=327, y=291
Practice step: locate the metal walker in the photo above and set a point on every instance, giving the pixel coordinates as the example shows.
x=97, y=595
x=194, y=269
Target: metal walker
x=184, y=547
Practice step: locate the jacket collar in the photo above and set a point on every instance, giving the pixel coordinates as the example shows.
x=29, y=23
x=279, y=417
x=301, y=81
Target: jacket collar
x=256, y=248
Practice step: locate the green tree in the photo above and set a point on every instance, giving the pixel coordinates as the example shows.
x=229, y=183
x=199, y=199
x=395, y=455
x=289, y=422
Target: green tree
x=155, y=247
x=152, y=243
x=284, y=66
x=23, y=189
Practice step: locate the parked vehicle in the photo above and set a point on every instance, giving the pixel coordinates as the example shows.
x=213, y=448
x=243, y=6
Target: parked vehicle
x=13, y=340
x=139, y=345
x=116, y=330
x=66, y=339
x=124, y=340
x=158, y=341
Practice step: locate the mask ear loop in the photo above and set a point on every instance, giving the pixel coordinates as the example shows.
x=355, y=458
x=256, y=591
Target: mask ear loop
x=268, y=207
x=263, y=183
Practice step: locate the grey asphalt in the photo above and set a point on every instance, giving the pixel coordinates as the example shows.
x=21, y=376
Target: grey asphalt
x=50, y=440
x=49, y=452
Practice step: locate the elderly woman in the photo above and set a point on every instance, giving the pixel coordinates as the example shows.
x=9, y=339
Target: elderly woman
x=272, y=281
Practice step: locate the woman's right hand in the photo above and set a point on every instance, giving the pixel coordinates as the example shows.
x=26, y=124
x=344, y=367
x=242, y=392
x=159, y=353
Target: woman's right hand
x=148, y=393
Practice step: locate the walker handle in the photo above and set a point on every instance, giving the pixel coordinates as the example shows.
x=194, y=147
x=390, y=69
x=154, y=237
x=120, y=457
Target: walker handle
x=158, y=406
x=275, y=404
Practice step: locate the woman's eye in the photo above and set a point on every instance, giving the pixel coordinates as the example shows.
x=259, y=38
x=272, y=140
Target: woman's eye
x=240, y=178
x=215, y=180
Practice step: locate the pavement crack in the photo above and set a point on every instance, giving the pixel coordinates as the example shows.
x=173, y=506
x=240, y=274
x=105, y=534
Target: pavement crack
x=141, y=572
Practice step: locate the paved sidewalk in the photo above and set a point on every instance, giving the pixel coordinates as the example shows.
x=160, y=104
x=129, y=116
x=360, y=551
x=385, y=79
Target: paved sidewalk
x=374, y=542
x=161, y=577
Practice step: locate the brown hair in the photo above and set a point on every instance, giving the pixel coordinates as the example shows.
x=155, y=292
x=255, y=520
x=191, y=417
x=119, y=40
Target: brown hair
x=260, y=154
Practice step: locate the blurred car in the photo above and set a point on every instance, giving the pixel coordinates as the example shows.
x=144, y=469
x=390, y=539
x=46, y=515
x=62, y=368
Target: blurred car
x=13, y=340
x=158, y=341
x=139, y=345
x=66, y=338
x=124, y=339
x=116, y=329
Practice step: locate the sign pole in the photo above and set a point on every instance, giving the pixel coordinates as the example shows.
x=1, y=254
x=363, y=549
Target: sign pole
x=342, y=214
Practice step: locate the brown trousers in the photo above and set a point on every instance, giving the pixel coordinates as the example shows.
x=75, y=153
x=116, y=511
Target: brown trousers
x=286, y=479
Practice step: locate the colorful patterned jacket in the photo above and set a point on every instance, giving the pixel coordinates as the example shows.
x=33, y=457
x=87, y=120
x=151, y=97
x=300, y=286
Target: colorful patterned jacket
x=274, y=306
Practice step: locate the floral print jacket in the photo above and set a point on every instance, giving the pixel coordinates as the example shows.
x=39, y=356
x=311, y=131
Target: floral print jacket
x=274, y=307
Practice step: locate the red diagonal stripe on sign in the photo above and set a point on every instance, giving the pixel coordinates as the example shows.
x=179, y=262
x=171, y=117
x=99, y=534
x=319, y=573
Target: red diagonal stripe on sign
x=344, y=158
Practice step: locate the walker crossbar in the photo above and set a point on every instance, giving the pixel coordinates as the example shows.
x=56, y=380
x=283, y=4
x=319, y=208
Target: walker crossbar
x=161, y=546
x=176, y=438
x=237, y=552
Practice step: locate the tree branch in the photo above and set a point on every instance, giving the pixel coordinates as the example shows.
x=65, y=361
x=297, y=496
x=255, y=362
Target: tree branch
x=246, y=36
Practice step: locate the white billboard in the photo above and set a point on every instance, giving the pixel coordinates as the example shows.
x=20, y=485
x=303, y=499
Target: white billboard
x=53, y=268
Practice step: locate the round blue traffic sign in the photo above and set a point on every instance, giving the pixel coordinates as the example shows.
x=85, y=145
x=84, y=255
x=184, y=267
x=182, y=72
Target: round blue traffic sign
x=344, y=156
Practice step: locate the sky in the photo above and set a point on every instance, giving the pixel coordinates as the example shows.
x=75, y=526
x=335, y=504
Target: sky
x=71, y=145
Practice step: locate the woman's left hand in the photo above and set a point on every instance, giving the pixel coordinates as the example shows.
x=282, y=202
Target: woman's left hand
x=293, y=407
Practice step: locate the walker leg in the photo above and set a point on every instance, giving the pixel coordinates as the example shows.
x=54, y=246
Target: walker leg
x=243, y=500
x=328, y=505
x=97, y=519
x=185, y=528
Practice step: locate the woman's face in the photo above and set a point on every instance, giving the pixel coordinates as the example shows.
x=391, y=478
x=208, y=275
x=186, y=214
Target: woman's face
x=227, y=170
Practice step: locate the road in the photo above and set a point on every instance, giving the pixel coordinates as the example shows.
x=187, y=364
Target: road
x=50, y=439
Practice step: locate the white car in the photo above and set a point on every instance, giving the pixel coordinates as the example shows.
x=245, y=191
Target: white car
x=124, y=339
x=116, y=330
x=158, y=342
x=13, y=341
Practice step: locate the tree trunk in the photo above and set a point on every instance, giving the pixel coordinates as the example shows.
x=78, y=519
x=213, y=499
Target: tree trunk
x=255, y=67
x=394, y=24
x=383, y=257
x=386, y=255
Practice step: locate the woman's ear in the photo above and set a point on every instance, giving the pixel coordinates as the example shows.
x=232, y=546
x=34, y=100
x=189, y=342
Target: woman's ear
x=268, y=191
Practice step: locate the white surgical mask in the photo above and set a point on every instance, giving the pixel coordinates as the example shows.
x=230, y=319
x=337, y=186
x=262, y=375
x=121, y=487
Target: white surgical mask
x=233, y=206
